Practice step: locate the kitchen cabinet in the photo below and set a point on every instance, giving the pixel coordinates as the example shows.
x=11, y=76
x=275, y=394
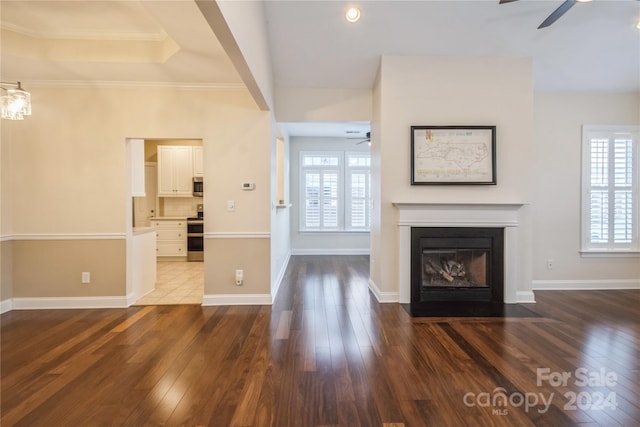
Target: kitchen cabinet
x=175, y=171
x=198, y=161
x=171, y=237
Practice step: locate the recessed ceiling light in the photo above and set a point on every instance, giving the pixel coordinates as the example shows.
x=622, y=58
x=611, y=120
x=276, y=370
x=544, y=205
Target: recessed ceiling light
x=353, y=14
x=638, y=24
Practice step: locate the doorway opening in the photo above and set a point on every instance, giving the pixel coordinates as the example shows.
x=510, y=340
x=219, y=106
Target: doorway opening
x=174, y=175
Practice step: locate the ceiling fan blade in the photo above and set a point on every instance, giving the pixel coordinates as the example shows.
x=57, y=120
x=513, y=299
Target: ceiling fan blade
x=507, y=1
x=564, y=7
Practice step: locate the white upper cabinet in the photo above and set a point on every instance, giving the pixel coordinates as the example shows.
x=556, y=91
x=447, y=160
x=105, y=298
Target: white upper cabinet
x=198, y=161
x=175, y=171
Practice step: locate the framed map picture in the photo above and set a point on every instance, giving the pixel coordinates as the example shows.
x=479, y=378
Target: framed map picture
x=453, y=155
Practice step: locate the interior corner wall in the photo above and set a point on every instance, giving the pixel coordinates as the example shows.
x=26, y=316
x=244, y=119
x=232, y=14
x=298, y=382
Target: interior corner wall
x=559, y=117
x=280, y=216
x=6, y=194
x=6, y=271
x=450, y=91
x=375, y=230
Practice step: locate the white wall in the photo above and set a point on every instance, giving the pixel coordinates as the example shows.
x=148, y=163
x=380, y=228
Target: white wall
x=557, y=177
x=321, y=243
x=71, y=156
x=322, y=105
x=449, y=91
x=280, y=219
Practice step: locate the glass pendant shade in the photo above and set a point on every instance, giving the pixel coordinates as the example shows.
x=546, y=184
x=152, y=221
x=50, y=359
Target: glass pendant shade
x=15, y=104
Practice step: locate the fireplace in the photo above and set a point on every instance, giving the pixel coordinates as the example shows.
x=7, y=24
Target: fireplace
x=513, y=219
x=456, y=270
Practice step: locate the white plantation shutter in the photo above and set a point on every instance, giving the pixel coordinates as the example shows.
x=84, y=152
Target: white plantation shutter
x=330, y=199
x=611, y=196
x=335, y=191
x=312, y=200
x=359, y=191
x=321, y=176
x=623, y=190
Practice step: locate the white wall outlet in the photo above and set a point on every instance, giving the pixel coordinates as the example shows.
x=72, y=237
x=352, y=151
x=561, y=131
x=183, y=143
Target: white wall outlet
x=239, y=277
x=86, y=277
x=549, y=264
x=231, y=205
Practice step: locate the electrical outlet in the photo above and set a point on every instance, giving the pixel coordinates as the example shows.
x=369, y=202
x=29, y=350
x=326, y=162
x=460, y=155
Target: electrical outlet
x=549, y=264
x=239, y=277
x=86, y=277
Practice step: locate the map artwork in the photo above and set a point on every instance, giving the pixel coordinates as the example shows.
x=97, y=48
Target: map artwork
x=453, y=155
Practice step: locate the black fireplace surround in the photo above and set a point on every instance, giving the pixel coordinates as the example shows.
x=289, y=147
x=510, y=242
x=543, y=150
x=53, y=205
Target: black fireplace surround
x=457, y=271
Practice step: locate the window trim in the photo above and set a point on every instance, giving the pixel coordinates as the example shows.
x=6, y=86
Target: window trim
x=588, y=249
x=343, y=187
x=339, y=168
x=348, y=200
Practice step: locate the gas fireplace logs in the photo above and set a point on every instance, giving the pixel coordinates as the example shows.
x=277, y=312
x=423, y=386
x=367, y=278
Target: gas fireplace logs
x=436, y=269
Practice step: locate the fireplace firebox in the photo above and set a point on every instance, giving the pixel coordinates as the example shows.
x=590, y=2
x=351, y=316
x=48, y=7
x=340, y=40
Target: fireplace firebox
x=457, y=271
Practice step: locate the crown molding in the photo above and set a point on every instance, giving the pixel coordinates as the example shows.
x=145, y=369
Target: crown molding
x=82, y=84
x=158, y=36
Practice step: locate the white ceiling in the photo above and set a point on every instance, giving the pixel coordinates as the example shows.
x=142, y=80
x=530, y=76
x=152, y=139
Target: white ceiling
x=594, y=47
x=152, y=42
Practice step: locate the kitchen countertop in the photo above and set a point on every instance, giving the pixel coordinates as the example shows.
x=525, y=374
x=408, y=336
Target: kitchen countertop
x=167, y=218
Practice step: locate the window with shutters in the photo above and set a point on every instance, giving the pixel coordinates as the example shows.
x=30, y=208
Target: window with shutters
x=358, y=191
x=335, y=191
x=610, y=183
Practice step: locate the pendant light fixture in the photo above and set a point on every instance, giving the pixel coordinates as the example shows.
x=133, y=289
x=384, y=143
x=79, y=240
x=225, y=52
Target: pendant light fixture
x=15, y=101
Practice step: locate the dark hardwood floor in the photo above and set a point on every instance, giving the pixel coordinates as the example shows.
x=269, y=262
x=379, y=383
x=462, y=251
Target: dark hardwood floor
x=325, y=354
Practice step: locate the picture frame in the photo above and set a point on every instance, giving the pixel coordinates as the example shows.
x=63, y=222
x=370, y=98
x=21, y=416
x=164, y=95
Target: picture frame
x=453, y=155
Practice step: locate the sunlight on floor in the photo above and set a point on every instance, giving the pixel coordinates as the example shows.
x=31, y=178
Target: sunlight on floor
x=178, y=282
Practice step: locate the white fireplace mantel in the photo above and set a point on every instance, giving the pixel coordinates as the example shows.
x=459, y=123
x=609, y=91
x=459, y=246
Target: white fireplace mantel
x=499, y=215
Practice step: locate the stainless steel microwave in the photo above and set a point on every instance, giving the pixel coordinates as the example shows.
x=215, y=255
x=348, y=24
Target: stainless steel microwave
x=198, y=187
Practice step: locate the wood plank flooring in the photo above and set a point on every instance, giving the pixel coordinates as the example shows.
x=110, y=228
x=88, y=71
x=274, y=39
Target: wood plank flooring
x=325, y=354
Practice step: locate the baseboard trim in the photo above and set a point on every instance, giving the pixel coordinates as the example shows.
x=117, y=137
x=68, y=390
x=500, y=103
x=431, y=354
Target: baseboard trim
x=383, y=297
x=49, y=303
x=238, y=235
x=524, y=297
x=6, y=305
x=336, y=251
x=76, y=236
x=236, y=299
x=283, y=269
x=584, y=285
x=132, y=298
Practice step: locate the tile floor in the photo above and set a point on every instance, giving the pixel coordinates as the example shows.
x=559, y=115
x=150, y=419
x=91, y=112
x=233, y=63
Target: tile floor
x=178, y=282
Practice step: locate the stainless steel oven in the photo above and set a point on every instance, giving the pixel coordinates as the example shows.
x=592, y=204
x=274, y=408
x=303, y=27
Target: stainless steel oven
x=195, y=239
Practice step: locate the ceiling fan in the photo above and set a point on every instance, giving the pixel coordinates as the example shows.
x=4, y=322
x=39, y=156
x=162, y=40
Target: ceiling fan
x=561, y=10
x=367, y=139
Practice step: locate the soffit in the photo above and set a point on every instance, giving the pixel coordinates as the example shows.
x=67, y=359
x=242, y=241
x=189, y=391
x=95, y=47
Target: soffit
x=112, y=41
